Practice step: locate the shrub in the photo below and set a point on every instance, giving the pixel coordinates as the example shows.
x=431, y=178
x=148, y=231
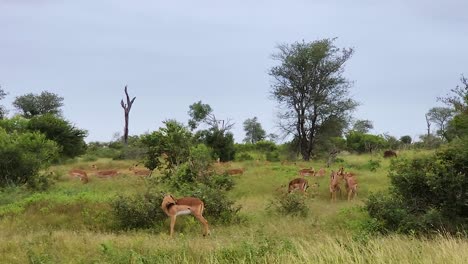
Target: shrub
x=243, y=156
x=272, y=156
x=265, y=146
x=218, y=207
x=428, y=193
x=293, y=204
x=138, y=210
x=24, y=156
x=373, y=165
x=68, y=137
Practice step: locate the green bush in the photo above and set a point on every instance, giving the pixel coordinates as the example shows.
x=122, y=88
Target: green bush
x=243, y=156
x=265, y=146
x=67, y=136
x=293, y=204
x=218, y=207
x=428, y=193
x=361, y=143
x=273, y=156
x=373, y=165
x=24, y=156
x=139, y=210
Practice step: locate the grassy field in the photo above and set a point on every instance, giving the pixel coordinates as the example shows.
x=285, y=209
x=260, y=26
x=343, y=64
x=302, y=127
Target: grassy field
x=73, y=223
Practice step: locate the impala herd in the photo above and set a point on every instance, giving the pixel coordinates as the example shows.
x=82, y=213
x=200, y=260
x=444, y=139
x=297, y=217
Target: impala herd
x=191, y=205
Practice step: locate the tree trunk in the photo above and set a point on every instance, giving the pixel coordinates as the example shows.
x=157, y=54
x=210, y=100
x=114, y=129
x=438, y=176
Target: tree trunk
x=127, y=107
x=428, y=127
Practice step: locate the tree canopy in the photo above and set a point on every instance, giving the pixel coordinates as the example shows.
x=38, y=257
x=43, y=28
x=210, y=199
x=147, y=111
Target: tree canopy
x=38, y=104
x=363, y=126
x=253, y=131
x=311, y=90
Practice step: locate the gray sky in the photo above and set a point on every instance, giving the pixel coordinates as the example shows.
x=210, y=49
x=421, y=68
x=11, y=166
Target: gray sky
x=174, y=53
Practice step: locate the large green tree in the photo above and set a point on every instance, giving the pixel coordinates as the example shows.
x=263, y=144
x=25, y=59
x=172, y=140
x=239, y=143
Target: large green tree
x=311, y=90
x=68, y=137
x=363, y=126
x=38, y=104
x=440, y=116
x=253, y=131
x=217, y=135
x=457, y=100
x=167, y=147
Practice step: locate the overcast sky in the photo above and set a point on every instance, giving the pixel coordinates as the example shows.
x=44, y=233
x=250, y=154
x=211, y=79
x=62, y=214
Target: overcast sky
x=174, y=53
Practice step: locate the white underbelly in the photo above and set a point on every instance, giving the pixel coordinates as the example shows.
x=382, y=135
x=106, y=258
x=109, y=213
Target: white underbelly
x=184, y=212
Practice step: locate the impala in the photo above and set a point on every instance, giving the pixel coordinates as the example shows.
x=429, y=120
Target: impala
x=300, y=184
x=81, y=174
x=321, y=172
x=351, y=185
x=335, y=180
x=139, y=172
x=235, y=171
x=307, y=172
x=106, y=173
x=183, y=206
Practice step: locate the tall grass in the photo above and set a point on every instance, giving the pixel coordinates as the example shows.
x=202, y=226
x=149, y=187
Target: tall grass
x=90, y=247
x=73, y=223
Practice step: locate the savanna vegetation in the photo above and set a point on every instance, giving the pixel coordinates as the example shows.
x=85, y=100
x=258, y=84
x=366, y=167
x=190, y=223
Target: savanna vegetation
x=66, y=201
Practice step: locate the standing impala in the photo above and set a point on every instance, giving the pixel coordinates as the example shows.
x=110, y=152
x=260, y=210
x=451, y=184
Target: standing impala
x=183, y=206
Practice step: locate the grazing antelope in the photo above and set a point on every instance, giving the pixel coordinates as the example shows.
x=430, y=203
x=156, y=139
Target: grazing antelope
x=138, y=172
x=106, y=173
x=307, y=172
x=183, y=206
x=335, y=180
x=81, y=174
x=351, y=185
x=321, y=172
x=235, y=171
x=300, y=184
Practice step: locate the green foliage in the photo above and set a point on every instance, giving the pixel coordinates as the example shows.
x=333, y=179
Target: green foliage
x=68, y=137
x=265, y=146
x=293, y=204
x=201, y=158
x=373, y=165
x=406, y=139
x=428, y=193
x=141, y=210
x=272, y=156
x=362, y=143
x=440, y=116
x=24, y=156
x=33, y=105
x=101, y=150
x=363, y=126
x=243, y=156
x=458, y=103
x=429, y=142
x=171, y=144
x=458, y=126
x=313, y=93
x=221, y=142
x=219, y=208
x=253, y=131
x=391, y=142
x=199, y=112
x=17, y=124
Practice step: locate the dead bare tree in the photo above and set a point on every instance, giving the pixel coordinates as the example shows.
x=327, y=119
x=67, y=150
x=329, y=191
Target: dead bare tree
x=126, y=108
x=428, y=125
